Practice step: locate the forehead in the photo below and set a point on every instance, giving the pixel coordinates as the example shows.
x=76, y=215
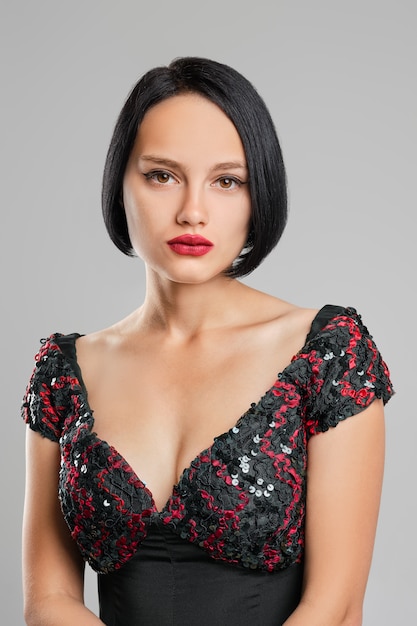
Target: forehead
x=188, y=124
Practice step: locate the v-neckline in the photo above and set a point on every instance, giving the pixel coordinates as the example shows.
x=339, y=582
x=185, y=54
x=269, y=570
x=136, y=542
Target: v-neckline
x=73, y=363
x=206, y=451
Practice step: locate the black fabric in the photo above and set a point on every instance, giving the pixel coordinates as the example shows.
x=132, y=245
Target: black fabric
x=227, y=548
x=67, y=345
x=171, y=582
x=326, y=313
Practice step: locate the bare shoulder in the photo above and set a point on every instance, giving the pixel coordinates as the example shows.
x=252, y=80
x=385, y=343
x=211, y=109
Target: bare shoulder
x=288, y=318
x=92, y=347
x=293, y=323
x=282, y=327
x=95, y=342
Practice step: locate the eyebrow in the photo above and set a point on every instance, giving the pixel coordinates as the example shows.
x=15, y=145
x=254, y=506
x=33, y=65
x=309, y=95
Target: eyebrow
x=227, y=165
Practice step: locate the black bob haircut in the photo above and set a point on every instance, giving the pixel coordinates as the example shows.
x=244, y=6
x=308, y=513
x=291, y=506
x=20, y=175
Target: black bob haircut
x=239, y=100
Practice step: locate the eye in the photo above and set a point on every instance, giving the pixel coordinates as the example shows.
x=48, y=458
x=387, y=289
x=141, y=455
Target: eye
x=160, y=177
x=228, y=182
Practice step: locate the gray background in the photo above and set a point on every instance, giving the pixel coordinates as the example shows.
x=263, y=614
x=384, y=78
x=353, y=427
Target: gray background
x=340, y=81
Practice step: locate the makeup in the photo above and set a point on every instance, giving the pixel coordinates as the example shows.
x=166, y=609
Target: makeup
x=190, y=245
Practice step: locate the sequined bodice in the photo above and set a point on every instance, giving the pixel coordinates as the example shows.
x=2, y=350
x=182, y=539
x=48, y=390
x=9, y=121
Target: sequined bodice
x=242, y=500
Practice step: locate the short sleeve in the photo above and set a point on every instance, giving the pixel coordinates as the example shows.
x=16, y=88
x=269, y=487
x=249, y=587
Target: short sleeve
x=344, y=372
x=43, y=405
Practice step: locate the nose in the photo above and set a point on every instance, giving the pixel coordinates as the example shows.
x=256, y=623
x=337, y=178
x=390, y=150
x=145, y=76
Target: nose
x=193, y=210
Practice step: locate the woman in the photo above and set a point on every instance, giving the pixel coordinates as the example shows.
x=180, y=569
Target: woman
x=181, y=533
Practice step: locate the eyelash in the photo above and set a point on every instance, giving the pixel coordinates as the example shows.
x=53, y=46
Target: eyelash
x=154, y=173
x=233, y=179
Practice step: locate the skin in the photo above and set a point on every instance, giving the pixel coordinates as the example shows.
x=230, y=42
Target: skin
x=199, y=334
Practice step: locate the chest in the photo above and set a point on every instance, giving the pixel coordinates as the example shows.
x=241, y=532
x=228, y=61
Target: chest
x=250, y=483
x=160, y=404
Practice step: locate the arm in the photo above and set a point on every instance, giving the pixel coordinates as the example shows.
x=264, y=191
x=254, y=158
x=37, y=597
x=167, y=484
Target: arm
x=345, y=468
x=53, y=571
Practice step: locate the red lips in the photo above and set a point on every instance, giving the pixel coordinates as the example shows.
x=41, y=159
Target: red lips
x=190, y=245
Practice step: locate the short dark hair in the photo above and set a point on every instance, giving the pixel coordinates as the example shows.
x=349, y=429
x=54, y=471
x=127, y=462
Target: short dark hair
x=240, y=101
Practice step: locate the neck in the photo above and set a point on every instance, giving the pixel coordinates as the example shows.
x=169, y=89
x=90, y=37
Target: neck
x=187, y=309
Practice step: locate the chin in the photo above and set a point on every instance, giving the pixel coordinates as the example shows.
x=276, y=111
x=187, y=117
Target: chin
x=195, y=277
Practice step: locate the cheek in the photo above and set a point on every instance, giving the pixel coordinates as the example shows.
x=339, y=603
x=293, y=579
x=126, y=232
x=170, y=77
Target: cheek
x=147, y=229
x=245, y=210
x=233, y=230
x=239, y=221
x=131, y=220
x=133, y=206
x=136, y=225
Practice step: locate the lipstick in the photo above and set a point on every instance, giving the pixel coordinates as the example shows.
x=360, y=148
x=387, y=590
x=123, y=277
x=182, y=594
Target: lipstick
x=190, y=245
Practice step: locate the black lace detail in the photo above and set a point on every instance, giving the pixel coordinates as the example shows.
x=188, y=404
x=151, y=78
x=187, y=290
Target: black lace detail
x=243, y=499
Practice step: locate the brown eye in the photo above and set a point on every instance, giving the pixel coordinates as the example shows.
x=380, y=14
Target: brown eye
x=162, y=177
x=226, y=183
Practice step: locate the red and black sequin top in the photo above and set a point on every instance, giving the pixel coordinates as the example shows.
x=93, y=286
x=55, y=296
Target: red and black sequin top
x=242, y=500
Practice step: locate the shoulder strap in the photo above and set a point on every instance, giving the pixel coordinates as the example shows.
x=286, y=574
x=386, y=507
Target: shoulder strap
x=66, y=344
x=326, y=313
